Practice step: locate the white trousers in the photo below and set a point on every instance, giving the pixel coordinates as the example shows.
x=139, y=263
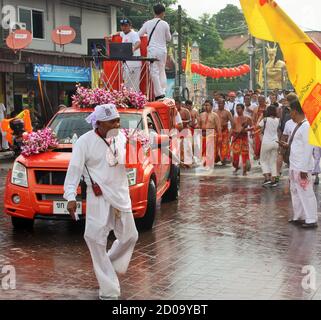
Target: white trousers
x=157, y=71
x=131, y=76
x=317, y=159
x=303, y=199
x=268, y=158
x=4, y=144
x=101, y=218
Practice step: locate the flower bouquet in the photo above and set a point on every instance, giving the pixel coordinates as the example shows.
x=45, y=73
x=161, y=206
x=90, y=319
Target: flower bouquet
x=87, y=98
x=137, y=146
x=37, y=142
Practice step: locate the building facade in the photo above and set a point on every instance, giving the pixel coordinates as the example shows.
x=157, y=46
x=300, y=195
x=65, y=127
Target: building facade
x=19, y=72
x=196, y=85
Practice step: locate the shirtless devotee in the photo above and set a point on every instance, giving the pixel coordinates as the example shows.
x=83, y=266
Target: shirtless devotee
x=223, y=148
x=240, y=140
x=211, y=133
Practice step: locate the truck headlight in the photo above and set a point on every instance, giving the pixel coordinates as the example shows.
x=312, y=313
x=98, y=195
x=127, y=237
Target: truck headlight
x=19, y=175
x=131, y=175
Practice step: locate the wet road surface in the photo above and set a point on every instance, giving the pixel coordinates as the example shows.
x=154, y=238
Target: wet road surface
x=226, y=238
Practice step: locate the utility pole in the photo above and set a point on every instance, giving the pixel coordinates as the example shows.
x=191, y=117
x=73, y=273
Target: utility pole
x=180, y=57
x=251, y=49
x=264, y=69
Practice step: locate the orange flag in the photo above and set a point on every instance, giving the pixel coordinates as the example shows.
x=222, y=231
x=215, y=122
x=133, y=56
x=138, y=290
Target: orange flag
x=267, y=21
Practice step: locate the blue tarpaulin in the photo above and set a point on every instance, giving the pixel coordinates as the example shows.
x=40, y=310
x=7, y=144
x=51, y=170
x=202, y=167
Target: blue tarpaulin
x=50, y=72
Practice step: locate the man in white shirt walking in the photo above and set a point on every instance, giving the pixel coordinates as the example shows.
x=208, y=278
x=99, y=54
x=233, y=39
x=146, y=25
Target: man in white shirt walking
x=158, y=32
x=301, y=165
x=4, y=146
x=132, y=69
x=99, y=156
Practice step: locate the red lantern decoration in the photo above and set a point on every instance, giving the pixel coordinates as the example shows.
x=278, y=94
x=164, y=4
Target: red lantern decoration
x=247, y=68
x=219, y=73
x=195, y=68
x=184, y=64
x=229, y=73
x=225, y=71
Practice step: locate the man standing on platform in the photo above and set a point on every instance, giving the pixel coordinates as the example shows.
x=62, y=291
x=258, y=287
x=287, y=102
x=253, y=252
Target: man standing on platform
x=132, y=69
x=158, y=32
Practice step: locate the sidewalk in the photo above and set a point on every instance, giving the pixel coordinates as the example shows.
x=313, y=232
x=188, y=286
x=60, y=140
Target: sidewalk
x=6, y=160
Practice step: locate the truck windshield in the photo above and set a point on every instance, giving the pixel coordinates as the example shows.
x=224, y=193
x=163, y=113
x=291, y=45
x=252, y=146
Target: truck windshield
x=67, y=125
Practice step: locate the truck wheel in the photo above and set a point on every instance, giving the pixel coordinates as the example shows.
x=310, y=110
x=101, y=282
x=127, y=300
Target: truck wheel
x=146, y=223
x=21, y=223
x=173, y=192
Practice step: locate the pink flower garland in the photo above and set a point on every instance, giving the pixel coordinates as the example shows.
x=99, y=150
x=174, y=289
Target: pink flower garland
x=37, y=142
x=85, y=97
x=138, y=135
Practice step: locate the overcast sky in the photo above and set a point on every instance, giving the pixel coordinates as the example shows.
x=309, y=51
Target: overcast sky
x=305, y=13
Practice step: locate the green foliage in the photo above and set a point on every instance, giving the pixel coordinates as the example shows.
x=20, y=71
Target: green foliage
x=209, y=41
x=227, y=58
x=230, y=21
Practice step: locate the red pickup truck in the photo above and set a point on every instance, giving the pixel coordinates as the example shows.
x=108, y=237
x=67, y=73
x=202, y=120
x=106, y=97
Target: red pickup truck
x=35, y=183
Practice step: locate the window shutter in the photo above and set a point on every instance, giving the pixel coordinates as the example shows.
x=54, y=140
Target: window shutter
x=75, y=22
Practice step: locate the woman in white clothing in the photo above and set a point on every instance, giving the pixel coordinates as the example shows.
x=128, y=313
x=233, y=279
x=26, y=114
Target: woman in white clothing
x=269, y=149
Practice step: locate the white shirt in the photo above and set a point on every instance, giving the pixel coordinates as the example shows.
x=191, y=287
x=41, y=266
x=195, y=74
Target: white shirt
x=271, y=130
x=131, y=37
x=247, y=111
x=301, y=155
x=289, y=127
x=178, y=118
x=91, y=150
x=161, y=35
x=2, y=111
x=239, y=99
x=231, y=106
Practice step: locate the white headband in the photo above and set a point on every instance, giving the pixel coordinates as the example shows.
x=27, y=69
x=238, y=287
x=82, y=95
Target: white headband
x=104, y=112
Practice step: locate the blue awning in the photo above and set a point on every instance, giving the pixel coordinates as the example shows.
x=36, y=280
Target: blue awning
x=55, y=73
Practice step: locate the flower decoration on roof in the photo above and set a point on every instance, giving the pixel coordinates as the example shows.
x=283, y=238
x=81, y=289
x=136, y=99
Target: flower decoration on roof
x=127, y=98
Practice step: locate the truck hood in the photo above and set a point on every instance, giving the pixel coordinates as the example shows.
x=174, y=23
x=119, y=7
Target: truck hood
x=54, y=159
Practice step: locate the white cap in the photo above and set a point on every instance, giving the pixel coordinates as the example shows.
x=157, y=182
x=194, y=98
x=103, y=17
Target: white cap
x=104, y=112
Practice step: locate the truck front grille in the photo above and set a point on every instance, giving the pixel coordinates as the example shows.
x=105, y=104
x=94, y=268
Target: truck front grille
x=53, y=178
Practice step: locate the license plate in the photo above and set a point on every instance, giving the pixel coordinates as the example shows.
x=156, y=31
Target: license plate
x=60, y=207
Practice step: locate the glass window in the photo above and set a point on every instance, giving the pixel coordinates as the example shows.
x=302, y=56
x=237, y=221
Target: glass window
x=75, y=23
x=37, y=24
x=34, y=22
x=25, y=16
x=65, y=125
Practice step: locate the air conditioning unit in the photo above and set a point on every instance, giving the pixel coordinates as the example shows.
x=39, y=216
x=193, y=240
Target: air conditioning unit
x=18, y=25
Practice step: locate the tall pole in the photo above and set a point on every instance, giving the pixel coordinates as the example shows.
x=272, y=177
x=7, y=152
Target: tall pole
x=251, y=52
x=180, y=58
x=264, y=69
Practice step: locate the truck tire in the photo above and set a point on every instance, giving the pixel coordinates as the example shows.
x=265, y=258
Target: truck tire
x=22, y=223
x=173, y=192
x=146, y=223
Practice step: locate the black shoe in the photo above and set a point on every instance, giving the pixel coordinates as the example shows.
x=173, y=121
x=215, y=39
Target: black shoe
x=160, y=97
x=297, y=222
x=309, y=225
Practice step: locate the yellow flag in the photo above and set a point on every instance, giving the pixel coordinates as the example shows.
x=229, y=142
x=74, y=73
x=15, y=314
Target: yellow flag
x=260, y=79
x=267, y=21
x=188, y=69
x=95, y=77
